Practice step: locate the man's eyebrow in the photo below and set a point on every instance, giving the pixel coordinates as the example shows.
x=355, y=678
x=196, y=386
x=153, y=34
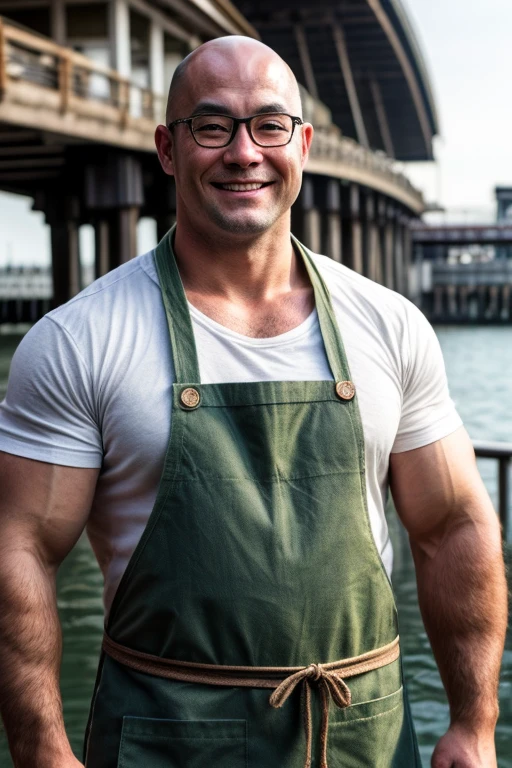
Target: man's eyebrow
x=210, y=107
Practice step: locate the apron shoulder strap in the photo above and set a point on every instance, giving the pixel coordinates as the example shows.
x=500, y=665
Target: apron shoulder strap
x=184, y=353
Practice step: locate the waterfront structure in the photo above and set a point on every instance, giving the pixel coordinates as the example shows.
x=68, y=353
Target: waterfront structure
x=82, y=85
x=466, y=269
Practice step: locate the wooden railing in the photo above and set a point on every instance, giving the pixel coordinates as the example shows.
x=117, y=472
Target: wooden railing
x=79, y=83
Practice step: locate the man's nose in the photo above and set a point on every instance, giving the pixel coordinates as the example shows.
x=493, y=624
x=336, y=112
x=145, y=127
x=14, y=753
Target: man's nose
x=242, y=150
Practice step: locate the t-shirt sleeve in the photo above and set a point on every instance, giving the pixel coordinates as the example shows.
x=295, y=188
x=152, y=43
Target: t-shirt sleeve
x=49, y=412
x=428, y=413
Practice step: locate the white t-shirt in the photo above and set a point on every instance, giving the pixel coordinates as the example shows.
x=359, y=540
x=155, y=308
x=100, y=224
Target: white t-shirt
x=90, y=386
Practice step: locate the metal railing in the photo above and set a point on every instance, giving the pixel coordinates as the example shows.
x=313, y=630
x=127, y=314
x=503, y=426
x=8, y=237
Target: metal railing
x=502, y=453
x=496, y=272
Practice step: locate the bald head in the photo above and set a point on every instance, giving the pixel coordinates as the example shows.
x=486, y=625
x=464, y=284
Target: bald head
x=233, y=62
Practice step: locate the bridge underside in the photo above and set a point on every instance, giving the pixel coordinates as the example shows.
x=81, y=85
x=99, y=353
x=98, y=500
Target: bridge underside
x=361, y=59
x=77, y=137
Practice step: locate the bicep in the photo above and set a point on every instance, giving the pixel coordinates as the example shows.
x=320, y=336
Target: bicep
x=43, y=507
x=438, y=487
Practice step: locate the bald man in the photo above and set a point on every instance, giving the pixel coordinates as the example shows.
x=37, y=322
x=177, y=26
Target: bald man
x=224, y=415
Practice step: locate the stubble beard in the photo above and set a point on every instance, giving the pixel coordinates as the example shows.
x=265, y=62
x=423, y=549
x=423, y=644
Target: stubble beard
x=243, y=223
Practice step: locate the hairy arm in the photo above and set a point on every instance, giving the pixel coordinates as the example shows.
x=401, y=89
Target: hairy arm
x=456, y=544
x=43, y=510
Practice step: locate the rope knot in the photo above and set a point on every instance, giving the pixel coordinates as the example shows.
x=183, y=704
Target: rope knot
x=314, y=672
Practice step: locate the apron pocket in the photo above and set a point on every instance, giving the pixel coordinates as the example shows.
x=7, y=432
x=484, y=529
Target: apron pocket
x=152, y=743
x=374, y=733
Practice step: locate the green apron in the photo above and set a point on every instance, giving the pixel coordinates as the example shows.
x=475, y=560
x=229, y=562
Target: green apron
x=258, y=552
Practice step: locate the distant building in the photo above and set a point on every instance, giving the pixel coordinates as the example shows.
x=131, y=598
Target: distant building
x=466, y=269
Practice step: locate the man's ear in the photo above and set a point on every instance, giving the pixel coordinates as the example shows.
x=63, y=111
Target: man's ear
x=306, y=138
x=164, y=147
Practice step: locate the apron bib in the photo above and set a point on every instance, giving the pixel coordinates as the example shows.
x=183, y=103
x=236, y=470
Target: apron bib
x=258, y=553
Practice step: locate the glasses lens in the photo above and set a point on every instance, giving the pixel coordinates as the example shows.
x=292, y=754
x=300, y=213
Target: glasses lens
x=272, y=130
x=212, y=130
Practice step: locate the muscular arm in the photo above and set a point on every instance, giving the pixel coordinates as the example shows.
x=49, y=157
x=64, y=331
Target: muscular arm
x=43, y=510
x=456, y=544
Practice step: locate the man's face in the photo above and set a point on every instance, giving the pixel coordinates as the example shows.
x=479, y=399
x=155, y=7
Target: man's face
x=241, y=188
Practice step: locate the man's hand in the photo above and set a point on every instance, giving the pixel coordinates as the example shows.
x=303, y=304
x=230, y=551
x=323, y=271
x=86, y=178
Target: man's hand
x=461, y=748
x=43, y=510
x=456, y=544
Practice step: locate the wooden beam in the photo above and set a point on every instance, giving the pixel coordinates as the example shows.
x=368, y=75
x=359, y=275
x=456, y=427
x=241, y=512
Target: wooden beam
x=231, y=10
x=305, y=60
x=18, y=137
x=227, y=24
x=169, y=26
x=201, y=25
x=346, y=69
x=43, y=162
x=21, y=5
x=407, y=69
x=42, y=149
x=28, y=175
x=382, y=117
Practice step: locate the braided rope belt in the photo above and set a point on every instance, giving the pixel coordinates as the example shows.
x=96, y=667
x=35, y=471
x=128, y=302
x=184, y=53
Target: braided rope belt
x=328, y=678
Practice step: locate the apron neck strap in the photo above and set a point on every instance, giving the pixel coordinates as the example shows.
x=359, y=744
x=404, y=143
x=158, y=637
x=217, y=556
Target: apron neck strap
x=331, y=335
x=186, y=365
x=184, y=353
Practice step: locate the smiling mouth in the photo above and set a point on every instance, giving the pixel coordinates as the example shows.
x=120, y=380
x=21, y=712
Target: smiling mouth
x=242, y=186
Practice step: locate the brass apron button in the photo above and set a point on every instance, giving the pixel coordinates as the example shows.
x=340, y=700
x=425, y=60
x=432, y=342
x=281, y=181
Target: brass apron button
x=190, y=398
x=345, y=390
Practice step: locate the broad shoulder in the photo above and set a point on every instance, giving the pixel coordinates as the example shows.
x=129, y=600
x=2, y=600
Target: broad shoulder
x=358, y=299
x=111, y=304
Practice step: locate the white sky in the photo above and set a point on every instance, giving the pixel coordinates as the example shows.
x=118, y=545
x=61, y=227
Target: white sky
x=466, y=45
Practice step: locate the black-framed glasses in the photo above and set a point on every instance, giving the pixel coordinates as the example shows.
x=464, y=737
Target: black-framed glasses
x=273, y=129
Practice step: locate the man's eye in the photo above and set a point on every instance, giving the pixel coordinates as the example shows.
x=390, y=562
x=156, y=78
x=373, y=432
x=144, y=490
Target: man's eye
x=211, y=127
x=271, y=127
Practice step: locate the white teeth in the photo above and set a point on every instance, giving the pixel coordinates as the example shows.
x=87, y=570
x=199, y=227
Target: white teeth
x=241, y=187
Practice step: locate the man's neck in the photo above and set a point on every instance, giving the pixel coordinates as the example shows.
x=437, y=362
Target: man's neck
x=235, y=266
x=256, y=286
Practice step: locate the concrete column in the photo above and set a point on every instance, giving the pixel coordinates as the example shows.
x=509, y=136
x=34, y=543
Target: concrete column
x=119, y=34
x=63, y=216
x=407, y=255
x=492, y=309
x=101, y=242
x=482, y=300
x=352, y=247
x=505, y=302
x=156, y=58
x=306, y=217
x=389, y=248
x=58, y=21
x=451, y=292
x=114, y=195
x=399, y=257
x=463, y=302
x=123, y=235
x=66, y=270
x=371, y=240
x=438, y=302
x=328, y=194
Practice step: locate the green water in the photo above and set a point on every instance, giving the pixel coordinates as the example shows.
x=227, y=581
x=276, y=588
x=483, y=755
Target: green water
x=479, y=372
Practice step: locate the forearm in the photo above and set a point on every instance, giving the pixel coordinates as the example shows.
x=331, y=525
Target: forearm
x=30, y=651
x=463, y=599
